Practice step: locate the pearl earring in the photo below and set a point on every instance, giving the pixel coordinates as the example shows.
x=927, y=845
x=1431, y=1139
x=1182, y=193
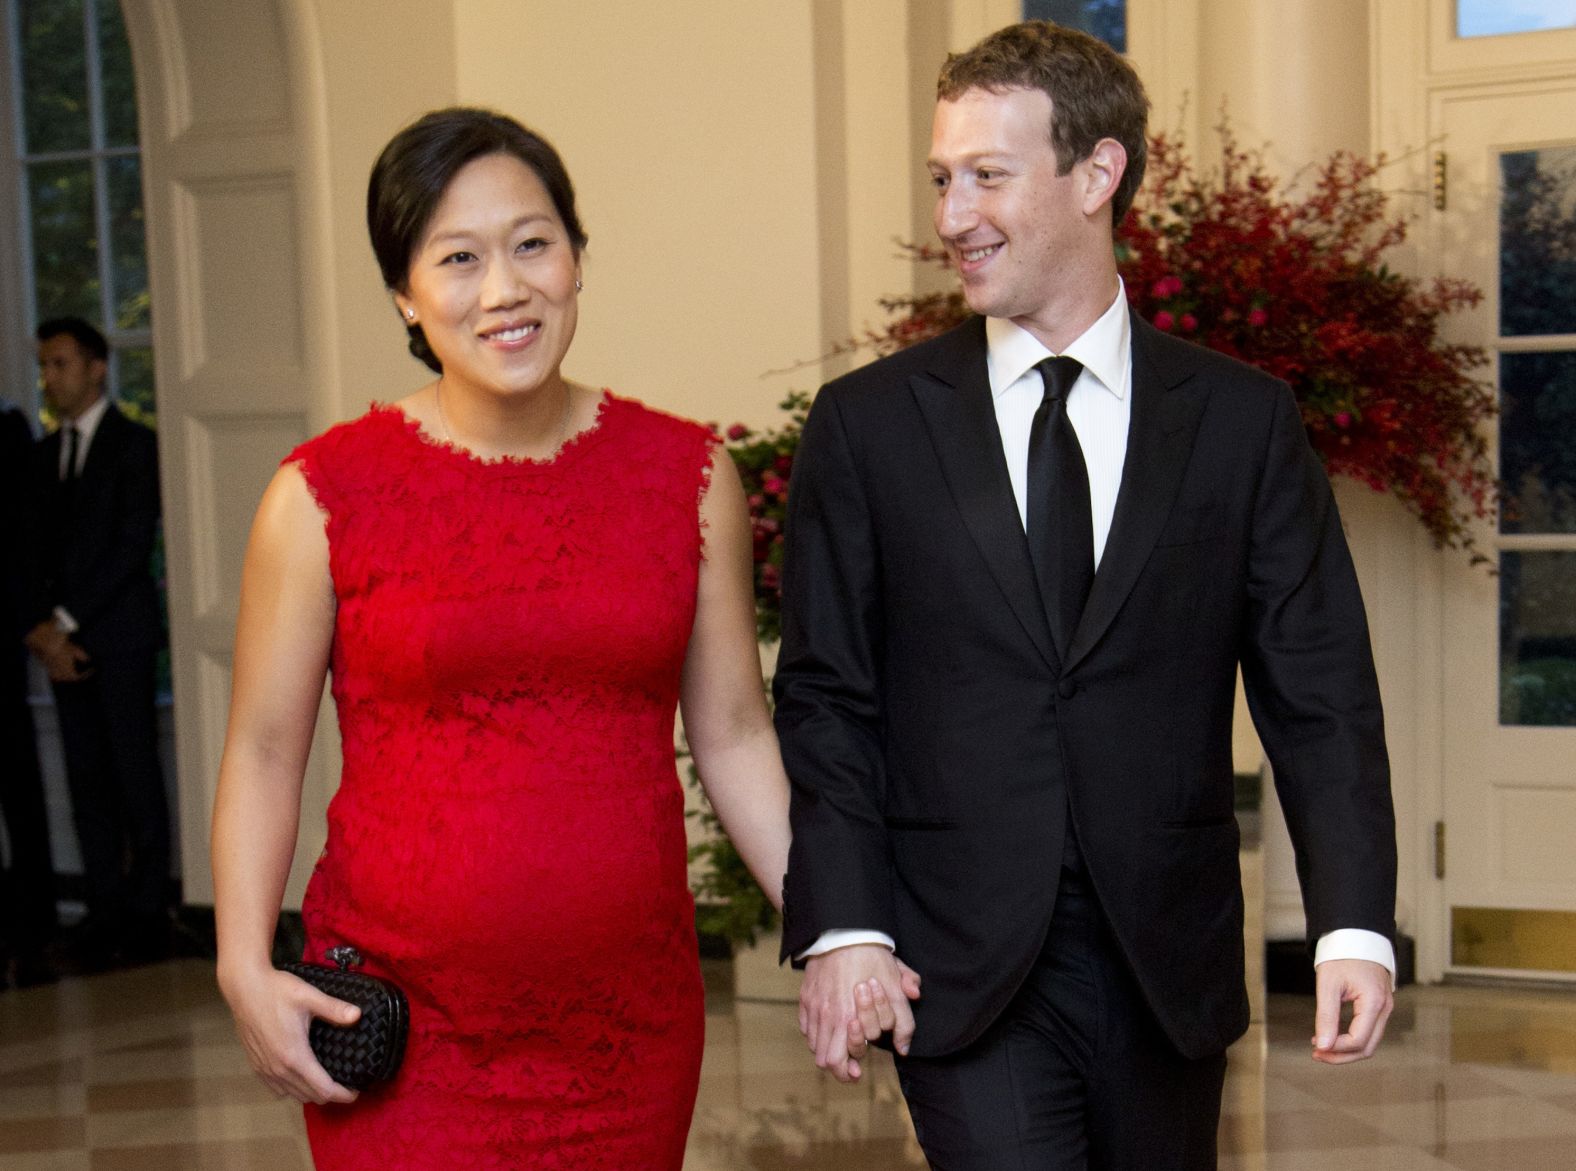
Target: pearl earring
x=410, y=315
x=578, y=285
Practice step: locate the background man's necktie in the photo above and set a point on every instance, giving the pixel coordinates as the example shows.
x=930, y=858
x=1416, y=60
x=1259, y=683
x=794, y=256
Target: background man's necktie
x=1061, y=533
x=73, y=438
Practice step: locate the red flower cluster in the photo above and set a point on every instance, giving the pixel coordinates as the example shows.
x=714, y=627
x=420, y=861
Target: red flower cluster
x=765, y=462
x=1296, y=285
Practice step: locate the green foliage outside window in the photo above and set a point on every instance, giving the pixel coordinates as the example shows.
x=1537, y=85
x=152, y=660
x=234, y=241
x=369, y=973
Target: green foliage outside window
x=79, y=151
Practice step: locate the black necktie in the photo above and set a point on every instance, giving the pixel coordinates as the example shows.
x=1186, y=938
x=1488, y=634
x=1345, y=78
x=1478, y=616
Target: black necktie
x=73, y=436
x=1061, y=532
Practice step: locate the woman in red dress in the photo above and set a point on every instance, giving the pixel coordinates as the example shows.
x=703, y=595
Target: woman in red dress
x=512, y=580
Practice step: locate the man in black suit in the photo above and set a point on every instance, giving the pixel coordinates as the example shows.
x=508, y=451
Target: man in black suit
x=97, y=630
x=27, y=884
x=1024, y=562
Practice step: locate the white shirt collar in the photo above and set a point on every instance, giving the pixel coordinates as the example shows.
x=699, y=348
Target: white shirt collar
x=86, y=425
x=1105, y=349
x=87, y=422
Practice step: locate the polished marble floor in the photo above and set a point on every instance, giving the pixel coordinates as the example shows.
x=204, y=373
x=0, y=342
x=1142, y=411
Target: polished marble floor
x=140, y=1069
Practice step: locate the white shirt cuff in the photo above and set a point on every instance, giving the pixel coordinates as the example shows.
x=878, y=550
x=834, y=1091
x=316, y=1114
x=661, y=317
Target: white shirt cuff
x=845, y=937
x=64, y=622
x=1353, y=943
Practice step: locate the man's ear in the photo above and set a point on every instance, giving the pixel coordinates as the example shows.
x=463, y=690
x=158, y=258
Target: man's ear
x=1102, y=169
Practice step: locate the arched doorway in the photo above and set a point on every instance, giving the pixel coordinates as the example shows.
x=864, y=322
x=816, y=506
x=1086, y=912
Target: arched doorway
x=229, y=97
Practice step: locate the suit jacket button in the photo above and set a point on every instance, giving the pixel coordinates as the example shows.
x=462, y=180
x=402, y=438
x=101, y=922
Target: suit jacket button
x=1067, y=689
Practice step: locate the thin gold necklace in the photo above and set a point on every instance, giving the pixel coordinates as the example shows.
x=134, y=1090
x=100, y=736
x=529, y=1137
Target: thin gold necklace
x=563, y=422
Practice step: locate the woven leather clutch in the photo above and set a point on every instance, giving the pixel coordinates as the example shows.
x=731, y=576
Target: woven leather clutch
x=369, y=1051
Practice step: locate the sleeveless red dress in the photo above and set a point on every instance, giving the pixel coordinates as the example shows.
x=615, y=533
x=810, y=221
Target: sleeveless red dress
x=507, y=841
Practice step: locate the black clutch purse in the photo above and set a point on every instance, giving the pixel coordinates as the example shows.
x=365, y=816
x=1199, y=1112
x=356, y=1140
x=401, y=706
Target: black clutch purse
x=370, y=1050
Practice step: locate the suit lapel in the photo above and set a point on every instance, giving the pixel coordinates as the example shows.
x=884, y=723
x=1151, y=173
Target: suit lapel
x=1159, y=441
x=954, y=398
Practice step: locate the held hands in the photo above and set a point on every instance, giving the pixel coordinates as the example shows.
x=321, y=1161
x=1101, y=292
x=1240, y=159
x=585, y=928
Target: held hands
x=851, y=996
x=1367, y=987
x=71, y=664
x=272, y=1011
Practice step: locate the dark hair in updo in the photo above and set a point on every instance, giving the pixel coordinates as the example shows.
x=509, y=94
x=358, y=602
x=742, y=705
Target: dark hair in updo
x=415, y=169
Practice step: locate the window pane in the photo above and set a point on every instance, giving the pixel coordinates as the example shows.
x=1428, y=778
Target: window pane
x=53, y=53
x=115, y=77
x=1106, y=19
x=1537, y=633
x=128, y=242
x=1491, y=18
x=134, y=382
x=1537, y=441
x=1537, y=242
x=65, y=250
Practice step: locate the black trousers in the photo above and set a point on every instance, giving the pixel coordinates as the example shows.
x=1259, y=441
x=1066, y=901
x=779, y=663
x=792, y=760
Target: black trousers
x=1075, y=1075
x=27, y=885
x=109, y=730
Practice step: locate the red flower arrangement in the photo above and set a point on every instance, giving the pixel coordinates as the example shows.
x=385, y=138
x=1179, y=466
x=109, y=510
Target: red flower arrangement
x=1294, y=284
x=1298, y=287
x=765, y=462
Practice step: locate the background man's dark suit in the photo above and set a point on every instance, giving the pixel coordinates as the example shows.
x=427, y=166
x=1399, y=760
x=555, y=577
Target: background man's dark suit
x=937, y=741
x=27, y=893
x=96, y=539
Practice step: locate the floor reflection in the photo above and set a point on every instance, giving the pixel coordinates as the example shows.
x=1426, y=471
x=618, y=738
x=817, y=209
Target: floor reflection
x=140, y=1069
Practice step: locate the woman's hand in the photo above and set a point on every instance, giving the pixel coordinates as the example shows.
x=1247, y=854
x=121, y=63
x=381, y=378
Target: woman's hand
x=272, y=1012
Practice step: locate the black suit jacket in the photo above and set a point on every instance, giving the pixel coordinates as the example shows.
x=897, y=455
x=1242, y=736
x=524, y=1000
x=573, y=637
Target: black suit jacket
x=95, y=543
x=16, y=524
x=929, y=722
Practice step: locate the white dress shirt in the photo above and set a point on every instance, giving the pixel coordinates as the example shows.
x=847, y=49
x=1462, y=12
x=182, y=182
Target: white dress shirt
x=87, y=425
x=1099, y=406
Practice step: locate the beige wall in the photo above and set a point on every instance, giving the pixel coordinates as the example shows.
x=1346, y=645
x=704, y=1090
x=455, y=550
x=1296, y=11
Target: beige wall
x=381, y=65
x=744, y=172
x=691, y=141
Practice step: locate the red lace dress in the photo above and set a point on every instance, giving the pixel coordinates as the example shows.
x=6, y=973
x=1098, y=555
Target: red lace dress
x=507, y=841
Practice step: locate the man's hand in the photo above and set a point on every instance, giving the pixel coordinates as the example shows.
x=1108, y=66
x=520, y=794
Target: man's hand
x=67, y=663
x=45, y=639
x=1367, y=986
x=849, y=997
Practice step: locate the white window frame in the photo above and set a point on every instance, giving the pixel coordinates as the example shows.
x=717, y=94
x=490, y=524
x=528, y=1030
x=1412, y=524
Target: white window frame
x=16, y=247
